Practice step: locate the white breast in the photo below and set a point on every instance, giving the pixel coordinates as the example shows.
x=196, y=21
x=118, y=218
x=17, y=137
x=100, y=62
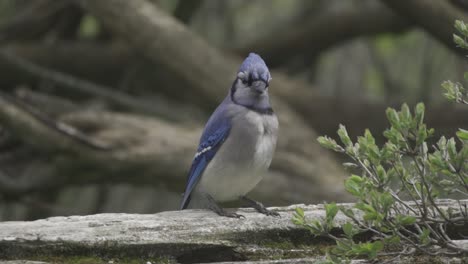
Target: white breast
x=266, y=126
x=243, y=159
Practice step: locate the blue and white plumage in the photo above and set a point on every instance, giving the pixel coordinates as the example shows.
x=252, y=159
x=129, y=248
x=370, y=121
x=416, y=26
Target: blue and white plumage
x=238, y=142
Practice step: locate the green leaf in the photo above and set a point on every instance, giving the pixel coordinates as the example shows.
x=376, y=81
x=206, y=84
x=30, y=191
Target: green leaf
x=369, y=138
x=394, y=136
x=348, y=229
x=389, y=152
x=316, y=228
x=370, y=249
x=459, y=41
x=346, y=211
x=461, y=27
x=424, y=236
x=353, y=185
x=406, y=219
x=453, y=91
x=373, y=216
x=298, y=217
x=369, y=148
x=381, y=174
x=343, y=134
x=446, y=183
x=329, y=143
x=386, y=201
x=405, y=116
x=436, y=162
x=392, y=240
x=393, y=118
x=364, y=207
x=350, y=165
x=376, y=247
x=343, y=246
x=419, y=113
x=331, y=210
x=422, y=134
x=299, y=212
x=463, y=156
x=462, y=134
x=452, y=148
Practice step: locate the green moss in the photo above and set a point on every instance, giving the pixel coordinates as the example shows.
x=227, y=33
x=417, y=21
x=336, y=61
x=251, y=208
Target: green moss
x=284, y=245
x=72, y=260
x=286, y=248
x=98, y=260
x=316, y=249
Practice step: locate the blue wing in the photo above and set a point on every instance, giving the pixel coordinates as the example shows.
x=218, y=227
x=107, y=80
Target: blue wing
x=213, y=137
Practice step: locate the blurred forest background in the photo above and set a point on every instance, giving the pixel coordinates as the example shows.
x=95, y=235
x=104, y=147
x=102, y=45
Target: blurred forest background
x=102, y=102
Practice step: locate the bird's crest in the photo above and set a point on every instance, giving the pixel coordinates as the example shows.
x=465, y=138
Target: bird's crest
x=255, y=66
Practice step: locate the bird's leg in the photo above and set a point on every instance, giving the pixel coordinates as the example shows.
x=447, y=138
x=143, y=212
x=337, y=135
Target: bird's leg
x=219, y=210
x=259, y=206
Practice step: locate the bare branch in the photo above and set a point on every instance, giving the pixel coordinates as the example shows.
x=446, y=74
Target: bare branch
x=324, y=31
x=435, y=16
x=185, y=10
x=60, y=127
x=154, y=151
x=51, y=105
x=98, y=62
x=83, y=86
x=33, y=130
x=164, y=40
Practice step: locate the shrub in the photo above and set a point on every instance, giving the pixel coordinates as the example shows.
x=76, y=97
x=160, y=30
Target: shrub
x=398, y=184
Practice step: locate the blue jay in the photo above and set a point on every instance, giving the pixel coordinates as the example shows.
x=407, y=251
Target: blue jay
x=237, y=144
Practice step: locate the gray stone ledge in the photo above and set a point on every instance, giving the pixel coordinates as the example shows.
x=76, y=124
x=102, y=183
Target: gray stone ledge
x=177, y=236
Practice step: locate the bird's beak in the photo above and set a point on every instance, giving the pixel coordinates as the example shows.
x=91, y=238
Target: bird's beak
x=260, y=87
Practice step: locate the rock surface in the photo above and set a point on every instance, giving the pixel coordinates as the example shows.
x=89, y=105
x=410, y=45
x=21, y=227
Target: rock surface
x=185, y=236
x=168, y=237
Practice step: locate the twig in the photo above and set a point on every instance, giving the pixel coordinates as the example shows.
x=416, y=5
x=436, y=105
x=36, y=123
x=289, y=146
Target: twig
x=421, y=211
x=51, y=104
x=58, y=126
x=423, y=180
x=80, y=85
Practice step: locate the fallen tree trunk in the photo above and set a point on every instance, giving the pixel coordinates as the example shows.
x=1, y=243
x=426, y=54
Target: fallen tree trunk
x=144, y=150
x=125, y=148
x=324, y=31
x=98, y=62
x=184, y=237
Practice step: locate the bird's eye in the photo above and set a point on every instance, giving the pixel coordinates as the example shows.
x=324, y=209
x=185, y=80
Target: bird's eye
x=250, y=80
x=244, y=81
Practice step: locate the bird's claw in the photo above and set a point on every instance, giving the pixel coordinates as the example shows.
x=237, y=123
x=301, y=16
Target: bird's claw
x=259, y=207
x=271, y=213
x=268, y=212
x=232, y=215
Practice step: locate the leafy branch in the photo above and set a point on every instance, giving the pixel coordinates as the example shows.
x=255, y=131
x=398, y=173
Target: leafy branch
x=397, y=185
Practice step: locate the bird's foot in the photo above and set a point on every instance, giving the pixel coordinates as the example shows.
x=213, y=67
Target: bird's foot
x=230, y=214
x=260, y=207
x=220, y=211
x=267, y=212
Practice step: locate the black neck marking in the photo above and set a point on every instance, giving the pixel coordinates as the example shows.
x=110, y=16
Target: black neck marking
x=263, y=111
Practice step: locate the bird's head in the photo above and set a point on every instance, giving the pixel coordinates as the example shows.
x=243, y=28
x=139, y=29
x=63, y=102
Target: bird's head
x=251, y=85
